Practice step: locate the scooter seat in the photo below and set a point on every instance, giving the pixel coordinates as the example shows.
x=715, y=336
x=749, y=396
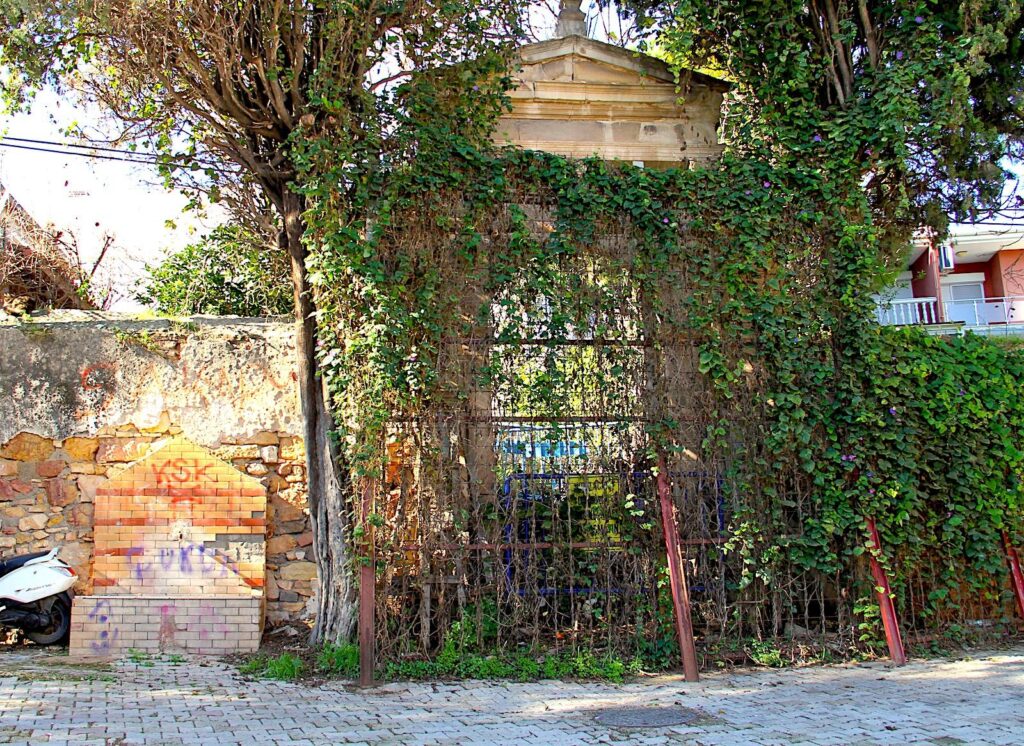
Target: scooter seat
x=14, y=563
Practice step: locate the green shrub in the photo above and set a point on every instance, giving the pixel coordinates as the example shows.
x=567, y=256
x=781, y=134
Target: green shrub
x=524, y=665
x=766, y=654
x=231, y=271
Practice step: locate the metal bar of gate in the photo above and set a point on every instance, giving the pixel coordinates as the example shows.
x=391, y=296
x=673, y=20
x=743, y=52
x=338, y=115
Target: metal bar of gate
x=553, y=545
x=884, y=594
x=367, y=592
x=677, y=573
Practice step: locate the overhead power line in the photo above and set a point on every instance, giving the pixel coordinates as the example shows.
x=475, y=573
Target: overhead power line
x=54, y=143
x=89, y=151
x=94, y=156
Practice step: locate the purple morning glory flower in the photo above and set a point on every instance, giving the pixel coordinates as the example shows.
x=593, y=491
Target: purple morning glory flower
x=892, y=410
x=919, y=19
x=817, y=138
x=665, y=221
x=747, y=192
x=871, y=491
x=766, y=184
x=899, y=55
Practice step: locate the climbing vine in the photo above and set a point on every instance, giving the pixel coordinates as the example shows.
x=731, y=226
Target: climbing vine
x=513, y=343
x=500, y=327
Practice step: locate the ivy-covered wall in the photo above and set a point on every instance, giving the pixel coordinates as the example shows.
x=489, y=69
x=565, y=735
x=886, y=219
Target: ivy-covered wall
x=720, y=319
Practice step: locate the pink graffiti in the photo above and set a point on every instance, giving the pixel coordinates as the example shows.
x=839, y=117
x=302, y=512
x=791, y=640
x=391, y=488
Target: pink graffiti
x=175, y=472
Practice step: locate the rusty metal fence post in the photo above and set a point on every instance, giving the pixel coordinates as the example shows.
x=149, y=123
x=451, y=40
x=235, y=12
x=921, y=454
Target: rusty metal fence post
x=677, y=574
x=367, y=590
x=1016, y=575
x=884, y=594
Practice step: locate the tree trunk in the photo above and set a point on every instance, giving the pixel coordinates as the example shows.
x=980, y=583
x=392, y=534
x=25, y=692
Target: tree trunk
x=327, y=483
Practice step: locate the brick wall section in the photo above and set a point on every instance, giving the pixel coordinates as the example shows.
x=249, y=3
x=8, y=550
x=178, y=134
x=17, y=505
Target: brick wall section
x=48, y=490
x=83, y=396
x=107, y=625
x=181, y=535
x=180, y=522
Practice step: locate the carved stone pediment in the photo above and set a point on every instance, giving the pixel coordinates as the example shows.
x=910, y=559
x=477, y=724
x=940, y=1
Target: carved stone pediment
x=580, y=97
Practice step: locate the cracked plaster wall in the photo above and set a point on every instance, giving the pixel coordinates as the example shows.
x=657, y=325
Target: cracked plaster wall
x=215, y=379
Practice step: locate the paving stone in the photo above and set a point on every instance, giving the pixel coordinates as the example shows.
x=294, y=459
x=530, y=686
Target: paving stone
x=44, y=698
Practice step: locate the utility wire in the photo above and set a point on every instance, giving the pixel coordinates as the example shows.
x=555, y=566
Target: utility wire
x=95, y=156
x=124, y=156
x=54, y=143
x=151, y=159
x=988, y=222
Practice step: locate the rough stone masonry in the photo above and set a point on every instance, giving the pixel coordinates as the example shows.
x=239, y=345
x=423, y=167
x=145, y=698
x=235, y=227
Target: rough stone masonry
x=88, y=398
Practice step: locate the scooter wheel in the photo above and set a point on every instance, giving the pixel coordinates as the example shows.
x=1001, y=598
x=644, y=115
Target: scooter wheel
x=60, y=625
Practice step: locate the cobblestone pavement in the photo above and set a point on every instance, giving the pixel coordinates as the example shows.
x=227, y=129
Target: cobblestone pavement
x=46, y=699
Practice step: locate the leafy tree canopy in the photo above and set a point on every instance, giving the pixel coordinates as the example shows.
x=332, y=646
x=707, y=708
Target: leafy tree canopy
x=230, y=272
x=922, y=101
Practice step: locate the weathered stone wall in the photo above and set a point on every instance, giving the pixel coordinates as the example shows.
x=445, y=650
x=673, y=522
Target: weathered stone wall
x=216, y=380
x=84, y=396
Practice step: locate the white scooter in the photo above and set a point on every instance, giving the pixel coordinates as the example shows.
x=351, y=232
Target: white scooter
x=35, y=596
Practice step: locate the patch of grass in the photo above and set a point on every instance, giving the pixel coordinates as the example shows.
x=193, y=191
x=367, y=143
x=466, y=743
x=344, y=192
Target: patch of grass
x=65, y=675
x=104, y=679
x=284, y=667
x=140, y=658
x=34, y=331
x=143, y=338
x=339, y=660
x=138, y=337
x=184, y=327
x=521, y=666
x=255, y=666
x=175, y=658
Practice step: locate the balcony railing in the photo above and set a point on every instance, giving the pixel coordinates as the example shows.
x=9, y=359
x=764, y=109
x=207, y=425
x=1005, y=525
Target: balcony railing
x=974, y=314
x=908, y=312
